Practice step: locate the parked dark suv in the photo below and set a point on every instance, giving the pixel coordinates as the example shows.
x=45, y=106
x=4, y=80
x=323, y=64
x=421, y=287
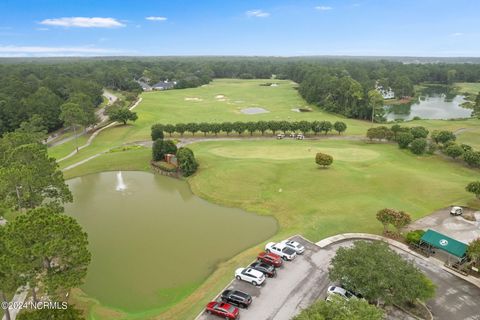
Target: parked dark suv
x=266, y=269
x=237, y=298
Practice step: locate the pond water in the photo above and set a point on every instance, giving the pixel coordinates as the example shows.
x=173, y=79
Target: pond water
x=152, y=240
x=434, y=103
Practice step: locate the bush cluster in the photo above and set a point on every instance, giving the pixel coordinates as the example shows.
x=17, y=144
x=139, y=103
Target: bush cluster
x=250, y=127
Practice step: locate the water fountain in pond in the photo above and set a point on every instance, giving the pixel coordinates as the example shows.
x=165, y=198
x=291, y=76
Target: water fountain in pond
x=120, y=184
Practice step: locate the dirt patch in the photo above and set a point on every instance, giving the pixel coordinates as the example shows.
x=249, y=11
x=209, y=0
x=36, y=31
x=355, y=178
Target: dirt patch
x=193, y=99
x=220, y=97
x=254, y=110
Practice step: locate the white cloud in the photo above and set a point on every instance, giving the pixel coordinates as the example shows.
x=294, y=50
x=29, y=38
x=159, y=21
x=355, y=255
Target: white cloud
x=83, y=22
x=38, y=51
x=457, y=34
x=153, y=18
x=257, y=13
x=323, y=8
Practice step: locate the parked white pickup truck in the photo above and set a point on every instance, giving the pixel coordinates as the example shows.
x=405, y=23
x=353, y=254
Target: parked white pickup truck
x=281, y=249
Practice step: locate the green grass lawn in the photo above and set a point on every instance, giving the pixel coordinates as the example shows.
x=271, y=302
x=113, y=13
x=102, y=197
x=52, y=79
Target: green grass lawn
x=280, y=178
x=470, y=137
x=468, y=87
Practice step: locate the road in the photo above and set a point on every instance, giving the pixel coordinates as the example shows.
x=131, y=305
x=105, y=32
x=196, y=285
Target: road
x=305, y=280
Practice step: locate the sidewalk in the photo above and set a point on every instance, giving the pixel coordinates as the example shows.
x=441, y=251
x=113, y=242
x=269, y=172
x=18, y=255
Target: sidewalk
x=18, y=298
x=365, y=236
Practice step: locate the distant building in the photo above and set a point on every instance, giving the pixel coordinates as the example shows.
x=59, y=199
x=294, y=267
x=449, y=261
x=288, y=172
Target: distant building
x=145, y=86
x=164, y=85
x=387, y=93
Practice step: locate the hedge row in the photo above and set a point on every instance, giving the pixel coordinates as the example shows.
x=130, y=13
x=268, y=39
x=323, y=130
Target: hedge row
x=251, y=127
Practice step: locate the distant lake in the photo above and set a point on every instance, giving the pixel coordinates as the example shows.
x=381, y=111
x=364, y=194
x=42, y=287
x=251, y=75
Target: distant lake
x=435, y=102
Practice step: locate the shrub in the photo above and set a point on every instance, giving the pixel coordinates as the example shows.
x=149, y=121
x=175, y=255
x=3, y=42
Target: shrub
x=474, y=187
x=157, y=132
x=466, y=147
x=431, y=148
x=454, y=151
x=413, y=237
x=418, y=146
x=472, y=158
x=161, y=147
x=186, y=161
x=419, y=132
x=380, y=133
x=404, y=139
x=443, y=136
x=323, y=159
x=340, y=126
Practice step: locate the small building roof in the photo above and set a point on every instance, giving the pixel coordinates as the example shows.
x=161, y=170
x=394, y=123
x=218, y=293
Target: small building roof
x=443, y=242
x=164, y=85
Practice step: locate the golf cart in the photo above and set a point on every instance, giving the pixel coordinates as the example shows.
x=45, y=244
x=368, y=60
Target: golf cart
x=456, y=211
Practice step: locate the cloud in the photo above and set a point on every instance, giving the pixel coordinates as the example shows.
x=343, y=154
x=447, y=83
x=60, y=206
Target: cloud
x=83, y=22
x=153, y=18
x=38, y=51
x=257, y=13
x=323, y=8
x=457, y=34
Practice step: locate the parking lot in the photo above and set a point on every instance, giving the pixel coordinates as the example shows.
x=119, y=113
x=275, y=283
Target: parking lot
x=301, y=282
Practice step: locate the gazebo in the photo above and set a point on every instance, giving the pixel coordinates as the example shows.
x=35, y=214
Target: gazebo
x=455, y=249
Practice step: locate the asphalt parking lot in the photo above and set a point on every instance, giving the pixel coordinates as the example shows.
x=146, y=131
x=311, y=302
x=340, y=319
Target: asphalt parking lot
x=301, y=282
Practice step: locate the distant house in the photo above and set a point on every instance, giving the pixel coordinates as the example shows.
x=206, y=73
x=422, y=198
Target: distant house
x=145, y=86
x=164, y=85
x=387, y=93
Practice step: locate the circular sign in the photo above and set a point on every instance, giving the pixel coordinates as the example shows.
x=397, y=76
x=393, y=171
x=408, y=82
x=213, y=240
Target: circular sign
x=443, y=242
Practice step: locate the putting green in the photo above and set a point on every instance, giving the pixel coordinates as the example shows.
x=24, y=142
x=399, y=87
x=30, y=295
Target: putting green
x=290, y=152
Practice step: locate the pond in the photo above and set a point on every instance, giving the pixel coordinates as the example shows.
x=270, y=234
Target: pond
x=153, y=241
x=435, y=102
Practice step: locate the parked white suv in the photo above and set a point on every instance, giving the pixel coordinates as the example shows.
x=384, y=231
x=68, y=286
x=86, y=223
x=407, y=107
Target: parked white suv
x=299, y=249
x=341, y=292
x=253, y=276
x=284, y=251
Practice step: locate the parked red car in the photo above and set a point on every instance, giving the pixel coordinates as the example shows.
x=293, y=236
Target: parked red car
x=270, y=258
x=222, y=309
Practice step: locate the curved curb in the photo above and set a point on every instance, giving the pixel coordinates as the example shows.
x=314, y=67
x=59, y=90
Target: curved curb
x=366, y=236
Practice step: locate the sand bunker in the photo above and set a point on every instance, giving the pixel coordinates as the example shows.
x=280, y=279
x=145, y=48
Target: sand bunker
x=253, y=110
x=193, y=99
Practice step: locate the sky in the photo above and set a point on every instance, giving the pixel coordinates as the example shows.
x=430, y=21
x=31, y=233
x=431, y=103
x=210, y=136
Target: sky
x=440, y=28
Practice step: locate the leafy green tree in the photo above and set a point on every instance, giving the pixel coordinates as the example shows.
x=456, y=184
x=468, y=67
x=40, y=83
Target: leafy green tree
x=180, y=128
x=285, y=126
x=262, y=126
x=340, y=127
x=227, y=127
x=316, y=127
x=454, y=151
x=28, y=176
x=122, y=115
x=50, y=248
x=34, y=127
x=274, y=126
x=341, y=309
x=473, y=251
x=304, y=126
x=204, y=128
x=472, y=158
x=402, y=219
x=193, y=128
x=162, y=147
x=397, y=281
x=72, y=115
x=375, y=101
x=326, y=126
x=379, y=133
x=157, y=132
x=404, y=139
x=418, y=146
x=419, y=132
x=186, y=161
x=239, y=127
x=215, y=128
x=443, y=136
x=87, y=105
x=396, y=129
x=323, y=159
x=474, y=187
x=69, y=313
x=414, y=237
x=45, y=103
x=466, y=147
x=10, y=278
x=169, y=128
x=386, y=216
x=251, y=127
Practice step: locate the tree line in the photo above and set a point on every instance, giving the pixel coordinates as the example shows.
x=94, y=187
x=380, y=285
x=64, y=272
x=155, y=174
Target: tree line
x=40, y=246
x=251, y=127
x=40, y=86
